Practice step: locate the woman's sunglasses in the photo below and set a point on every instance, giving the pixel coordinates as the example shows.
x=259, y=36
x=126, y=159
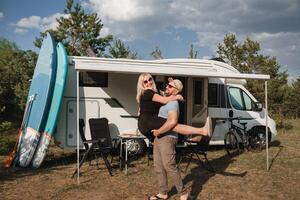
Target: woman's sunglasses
x=149, y=80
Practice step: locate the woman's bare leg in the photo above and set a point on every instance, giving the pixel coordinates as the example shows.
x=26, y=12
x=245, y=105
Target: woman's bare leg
x=189, y=130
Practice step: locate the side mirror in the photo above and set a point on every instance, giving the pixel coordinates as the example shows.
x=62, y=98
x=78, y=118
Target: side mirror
x=257, y=106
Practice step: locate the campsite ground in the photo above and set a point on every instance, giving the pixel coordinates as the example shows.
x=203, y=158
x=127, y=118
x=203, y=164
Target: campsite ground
x=241, y=177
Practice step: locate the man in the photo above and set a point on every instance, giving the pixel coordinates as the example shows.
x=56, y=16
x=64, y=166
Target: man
x=164, y=145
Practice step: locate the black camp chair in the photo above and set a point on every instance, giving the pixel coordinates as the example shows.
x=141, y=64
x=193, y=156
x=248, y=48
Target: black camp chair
x=198, y=148
x=100, y=143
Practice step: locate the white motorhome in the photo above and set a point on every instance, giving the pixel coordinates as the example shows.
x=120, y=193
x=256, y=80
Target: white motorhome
x=107, y=88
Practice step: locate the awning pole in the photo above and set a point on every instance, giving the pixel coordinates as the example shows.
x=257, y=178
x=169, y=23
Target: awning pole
x=226, y=98
x=77, y=124
x=267, y=125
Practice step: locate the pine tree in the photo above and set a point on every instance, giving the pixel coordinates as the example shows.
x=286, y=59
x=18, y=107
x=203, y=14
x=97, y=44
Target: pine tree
x=292, y=97
x=119, y=50
x=192, y=53
x=79, y=32
x=156, y=53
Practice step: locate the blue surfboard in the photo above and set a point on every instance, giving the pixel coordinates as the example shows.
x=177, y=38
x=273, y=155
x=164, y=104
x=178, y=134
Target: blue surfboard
x=60, y=81
x=40, y=94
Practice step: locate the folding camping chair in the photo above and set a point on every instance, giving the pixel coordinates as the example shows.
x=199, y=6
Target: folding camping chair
x=100, y=143
x=196, y=148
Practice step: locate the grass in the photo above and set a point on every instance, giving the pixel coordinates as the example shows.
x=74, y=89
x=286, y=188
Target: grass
x=242, y=177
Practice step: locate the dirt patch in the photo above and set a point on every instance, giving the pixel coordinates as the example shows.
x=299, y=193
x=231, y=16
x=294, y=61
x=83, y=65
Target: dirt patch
x=241, y=177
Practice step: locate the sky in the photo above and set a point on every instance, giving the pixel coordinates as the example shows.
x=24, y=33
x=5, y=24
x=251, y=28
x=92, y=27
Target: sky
x=171, y=25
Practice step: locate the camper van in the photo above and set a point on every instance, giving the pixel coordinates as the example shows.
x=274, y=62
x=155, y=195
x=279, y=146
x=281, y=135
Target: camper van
x=107, y=88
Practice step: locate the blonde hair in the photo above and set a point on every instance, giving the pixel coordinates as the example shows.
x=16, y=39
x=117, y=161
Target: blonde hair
x=140, y=86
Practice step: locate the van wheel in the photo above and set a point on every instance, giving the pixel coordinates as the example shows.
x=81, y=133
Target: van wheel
x=255, y=143
x=136, y=146
x=260, y=132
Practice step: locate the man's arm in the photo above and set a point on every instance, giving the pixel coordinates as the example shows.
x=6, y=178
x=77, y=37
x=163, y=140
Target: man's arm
x=169, y=124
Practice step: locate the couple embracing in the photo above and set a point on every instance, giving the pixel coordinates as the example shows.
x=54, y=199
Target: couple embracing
x=158, y=121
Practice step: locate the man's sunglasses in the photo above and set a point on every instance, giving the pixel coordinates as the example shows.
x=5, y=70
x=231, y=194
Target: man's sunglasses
x=171, y=86
x=149, y=80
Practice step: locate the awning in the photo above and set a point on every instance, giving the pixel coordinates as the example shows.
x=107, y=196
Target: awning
x=175, y=67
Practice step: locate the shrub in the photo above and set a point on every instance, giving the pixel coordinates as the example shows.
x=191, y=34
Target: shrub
x=5, y=126
x=288, y=126
x=284, y=125
x=7, y=143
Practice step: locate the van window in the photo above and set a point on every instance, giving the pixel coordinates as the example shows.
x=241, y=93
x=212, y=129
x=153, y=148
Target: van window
x=213, y=95
x=248, y=101
x=216, y=96
x=222, y=97
x=93, y=79
x=239, y=99
x=198, y=92
x=236, y=98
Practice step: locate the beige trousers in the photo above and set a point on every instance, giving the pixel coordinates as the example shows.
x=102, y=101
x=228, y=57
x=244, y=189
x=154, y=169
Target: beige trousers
x=165, y=163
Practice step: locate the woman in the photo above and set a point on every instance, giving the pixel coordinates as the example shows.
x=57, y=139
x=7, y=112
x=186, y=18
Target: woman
x=149, y=103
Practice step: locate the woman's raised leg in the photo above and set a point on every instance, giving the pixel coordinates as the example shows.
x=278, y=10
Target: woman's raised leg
x=189, y=130
x=207, y=130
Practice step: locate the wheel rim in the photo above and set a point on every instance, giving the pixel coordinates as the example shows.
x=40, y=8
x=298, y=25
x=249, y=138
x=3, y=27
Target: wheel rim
x=132, y=147
x=261, y=134
x=255, y=142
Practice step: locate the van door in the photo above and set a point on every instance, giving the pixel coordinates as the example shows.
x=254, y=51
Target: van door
x=218, y=111
x=241, y=104
x=197, y=101
x=88, y=109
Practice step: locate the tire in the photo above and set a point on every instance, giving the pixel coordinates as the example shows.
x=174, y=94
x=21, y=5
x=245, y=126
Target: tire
x=255, y=143
x=261, y=133
x=136, y=147
x=231, y=144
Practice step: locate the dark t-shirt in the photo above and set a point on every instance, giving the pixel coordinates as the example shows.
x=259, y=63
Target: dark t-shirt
x=147, y=106
x=148, y=119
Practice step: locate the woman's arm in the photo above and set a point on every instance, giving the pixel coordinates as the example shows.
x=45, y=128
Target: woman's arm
x=171, y=122
x=164, y=100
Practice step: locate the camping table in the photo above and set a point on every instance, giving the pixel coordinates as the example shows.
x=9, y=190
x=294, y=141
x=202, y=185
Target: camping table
x=124, y=141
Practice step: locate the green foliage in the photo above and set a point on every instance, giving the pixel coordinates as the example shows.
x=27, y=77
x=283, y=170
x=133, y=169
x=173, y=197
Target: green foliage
x=156, y=53
x=285, y=124
x=288, y=126
x=7, y=142
x=292, y=99
x=16, y=69
x=119, y=50
x=246, y=58
x=79, y=32
x=5, y=126
x=231, y=51
x=192, y=53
